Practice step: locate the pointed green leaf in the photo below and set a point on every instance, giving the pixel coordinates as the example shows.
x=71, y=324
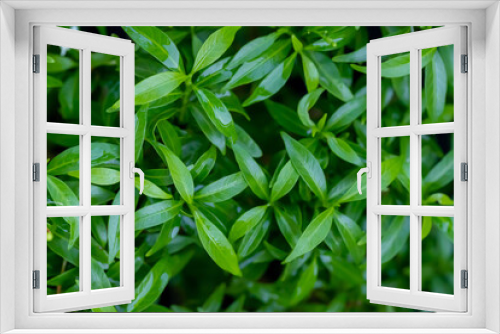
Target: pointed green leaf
x=436, y=84
x=287, y=178
x=350, y=233
x=342, y=149
x=289, y=225
x=216, y=244
x=152, y=190
x=141, y=118
x=395, y=238
x=347, y=113
x=286, y=117
x=214, y=301
x=253, y=49
x=306, y=103
x=253, y=238
x=253, y=173
x=313, y=235
x=204, y=165
x=214, y=47
x=210, y=131
x=169, y=136
x=246, y=222
x=156, y=214
x=311, y=73
x=114, y=232
x=222, y=189
x=247, y=143
x=305, y=284
x=358, y=56
x=168, y=232
x=306, y=166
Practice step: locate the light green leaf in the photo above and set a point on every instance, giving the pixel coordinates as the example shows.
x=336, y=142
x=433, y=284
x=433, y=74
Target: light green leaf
x=141, y=118
x=246, y=222
x=273, y=82
x=222, y=189
x=210, y=131
x=305, y=284
x=217, y=112
x=156, y=214
x=287, y=178
x=214, y=47
x=168, y=232
x=101, y=176
x=183, y=180
x=436, y=84
x=169, y=136
x=395, y=238
x=204, y=165
x=253, y=49
x=247, y=143
x=253, y=238
x=158, y=44
x=253, y=173
x=343, y=150
x=114, y=232
x=313, y=235
x=311, y=73
x=440, y=175
x=216, y=244
x=358, y=56
x=306, y=166
x=347, y=113
x=289, y=225
x=350, y=233
x=306, y=103
x=152, y=190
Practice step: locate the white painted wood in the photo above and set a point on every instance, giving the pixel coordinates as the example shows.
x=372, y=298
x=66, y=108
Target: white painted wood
x=86, y=43
x=414, y=43
x=190, y=13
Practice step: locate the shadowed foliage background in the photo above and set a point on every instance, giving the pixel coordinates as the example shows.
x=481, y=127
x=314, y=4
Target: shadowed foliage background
x=250, y=139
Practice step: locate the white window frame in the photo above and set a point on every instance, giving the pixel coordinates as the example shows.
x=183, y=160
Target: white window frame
x=414, y=43
x=483, y=263
x=85, y=43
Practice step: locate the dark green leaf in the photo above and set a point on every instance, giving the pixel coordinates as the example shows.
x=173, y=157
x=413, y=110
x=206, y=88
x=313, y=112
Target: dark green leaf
x=306, y=166
x=210, y=131
x=350, y=233
x=273, y=82
x=436, y=84
x=214, y=47
x=305, y=284
x=347, y=113
x=253, y=238
x=99, y=279
x=222, y=189
x=286, y=117
x=141, y=118
x=253, y=173
x=253, y=49
x=168, y=232
x=289, y=225
x=395, y=238
x=169, y=136
x=306, y=103
x=313, y=235
x=216, y=244
x=440, y=175
x=214, y=301
x=114, y=233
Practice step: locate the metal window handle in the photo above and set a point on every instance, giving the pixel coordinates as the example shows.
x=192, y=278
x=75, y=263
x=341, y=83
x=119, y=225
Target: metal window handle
x=134, y=170
x=368, y=171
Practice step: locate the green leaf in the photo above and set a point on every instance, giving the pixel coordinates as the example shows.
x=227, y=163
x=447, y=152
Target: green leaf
x=104, y=176
x=358, y=56
x=305, y=284
x=216, y=244
x=256, y=69
x=210, y=131
x=246, y=222
x=59, y=245
x=155, y=281
x=222, y=189
x=343, y=150
x=350, y=233
x=253, y=238
x=204, y=165
x=69, y=98
x=169, y=136
x=289, y=225
x=214, y=47
x=217, y=112
x=313, y=235
x=436, y=84
x=99, y=279
x=253, y=173
x=156, y=214
x=154, y=88
x=64, y=196
x=426, y=226
x=306, y=166
x=297, y=44
x=287, y=178
x=152, y=190
x=114, y=232
x=57, y=63
x=68, y=277
x=53, y=82
x=311, y=74
x=277, y=253
x=214, y=74
x=168, y=232
x=306, y=103
x=100, y=195
x=247, y=143
x=232, y=103
x=237, y=305
x=286, y=117
x=395, y=238
x=273, y=82
x=141, y=118
x=329, y=76
x=99, y=230
x=158, y=44
x=180, y=174
x=347, y=113
x=214, y=301
x=253, y=49
x=440, y=175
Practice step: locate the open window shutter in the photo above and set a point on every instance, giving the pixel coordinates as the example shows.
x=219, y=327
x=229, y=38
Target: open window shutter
x=98, y=270
x=435, y=56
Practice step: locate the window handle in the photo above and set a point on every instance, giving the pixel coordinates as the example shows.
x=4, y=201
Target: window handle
x=134, y=170
x=368, y=171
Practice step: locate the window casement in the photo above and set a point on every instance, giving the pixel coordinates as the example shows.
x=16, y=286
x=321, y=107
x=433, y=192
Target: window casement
x=413, y=210
x=73, y=215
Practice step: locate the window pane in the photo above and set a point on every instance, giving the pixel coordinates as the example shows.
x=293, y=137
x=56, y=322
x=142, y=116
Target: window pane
x=105, y=85
x=63, y=85
x=395, y=170
x=105, y=248
x=395, y=251
x=105, y=172
x=63, y=255
x=437, y=84
x=395, y=92
x=437, y=254
x=437, y=169
x=63, y=168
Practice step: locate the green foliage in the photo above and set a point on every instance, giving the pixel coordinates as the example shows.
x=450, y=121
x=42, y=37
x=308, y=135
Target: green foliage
x=250, y=139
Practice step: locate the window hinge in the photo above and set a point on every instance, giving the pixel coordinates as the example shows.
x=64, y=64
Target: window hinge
x=36, y=279
x=465, y=64
x=464, y=171
x=36, y=63
x=36, y=172
x=465, y=279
